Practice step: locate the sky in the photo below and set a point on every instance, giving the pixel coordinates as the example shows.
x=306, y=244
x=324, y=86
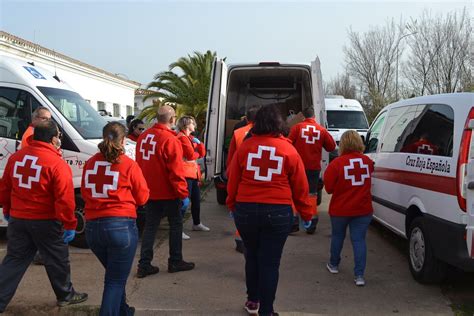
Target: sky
x=141, y=38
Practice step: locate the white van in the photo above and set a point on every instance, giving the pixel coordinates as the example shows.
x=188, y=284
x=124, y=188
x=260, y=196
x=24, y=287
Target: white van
x=25, y=86
x=291, y=87
x=342, y=115
x=421, y=148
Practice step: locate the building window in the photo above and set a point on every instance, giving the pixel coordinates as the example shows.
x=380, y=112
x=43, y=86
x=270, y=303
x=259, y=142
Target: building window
x=129, y=110
x=116, y=110
x=100, y=106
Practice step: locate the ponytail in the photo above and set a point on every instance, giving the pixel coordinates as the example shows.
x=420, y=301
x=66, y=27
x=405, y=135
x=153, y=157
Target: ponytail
x=111, y=147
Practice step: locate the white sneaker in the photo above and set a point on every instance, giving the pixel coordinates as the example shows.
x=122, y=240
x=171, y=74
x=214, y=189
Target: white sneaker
x=359, y=280
x=201, y=227
x=185, y=237
x=332, y=269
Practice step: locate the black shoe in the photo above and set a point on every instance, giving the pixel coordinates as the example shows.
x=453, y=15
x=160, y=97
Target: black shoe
x=143, y=272
x=75, y=299
x=312, y=228
x=180, y=266
x=38, y=260
x=239, y=246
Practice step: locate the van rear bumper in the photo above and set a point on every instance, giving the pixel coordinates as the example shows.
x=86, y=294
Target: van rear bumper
x=448, y=240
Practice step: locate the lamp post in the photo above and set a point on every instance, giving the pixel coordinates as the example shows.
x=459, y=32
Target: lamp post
x=396, y=69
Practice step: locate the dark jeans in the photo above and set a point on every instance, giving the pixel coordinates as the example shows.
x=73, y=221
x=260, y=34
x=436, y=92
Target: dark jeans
x=155, y=210
x=195, y=197
x=313, y=180
x=25, y=237
x=358, y=226
x=264, y=229
x=114, y=241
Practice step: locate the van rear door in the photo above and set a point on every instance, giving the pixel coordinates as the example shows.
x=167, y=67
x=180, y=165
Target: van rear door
x=215, y=124
x=470, y=195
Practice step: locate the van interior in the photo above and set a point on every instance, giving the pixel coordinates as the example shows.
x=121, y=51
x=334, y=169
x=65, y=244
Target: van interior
x=287, y=87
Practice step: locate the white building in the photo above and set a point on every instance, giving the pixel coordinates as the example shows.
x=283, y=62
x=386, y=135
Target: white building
x=140, y=103
x=102, y=89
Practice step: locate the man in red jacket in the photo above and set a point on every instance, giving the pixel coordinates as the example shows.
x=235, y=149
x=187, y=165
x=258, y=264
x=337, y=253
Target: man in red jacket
x=160, y=156
x=44, y=220
x=309, y=139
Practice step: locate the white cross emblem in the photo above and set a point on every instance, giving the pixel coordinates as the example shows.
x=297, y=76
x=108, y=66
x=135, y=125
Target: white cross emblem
x=358, y=172
x=105, y=186
x=270, y=171
x=147, y=152
x=424, y=149
x=29, y=178
x=310, y=137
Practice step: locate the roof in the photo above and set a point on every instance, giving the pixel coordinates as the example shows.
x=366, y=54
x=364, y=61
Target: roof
x=144, y=92
x=35, y=48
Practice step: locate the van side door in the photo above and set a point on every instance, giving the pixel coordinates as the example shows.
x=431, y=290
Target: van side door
x=215, y=123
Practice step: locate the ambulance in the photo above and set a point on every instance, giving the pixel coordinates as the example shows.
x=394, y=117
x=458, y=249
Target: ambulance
x=24, y=86
x=423, y=183
x=292, y=87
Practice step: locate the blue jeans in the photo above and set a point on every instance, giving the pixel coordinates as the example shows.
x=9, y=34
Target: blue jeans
x=264, y=229
x=114, y=241
x=358, y=226
x=195, y=197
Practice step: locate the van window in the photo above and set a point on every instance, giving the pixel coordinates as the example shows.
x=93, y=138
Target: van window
x=77, y=111
x=15, y=112
x=399, y=125
x=347, y=119
x=374, y=133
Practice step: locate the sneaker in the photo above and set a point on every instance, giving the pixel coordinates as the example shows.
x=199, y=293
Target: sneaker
x=180, y=266
x=185, y=237
x=252, y=307
x=332, y=269
x=75, y=299
x=143, y=272
x=359, y=280
x=201, y=227
x=312, y=229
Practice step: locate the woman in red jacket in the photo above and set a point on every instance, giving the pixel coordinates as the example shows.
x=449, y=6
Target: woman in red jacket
x=112, y=187
x=265, y=177
x=136, y=129
x=348, y=179
x=193, y=149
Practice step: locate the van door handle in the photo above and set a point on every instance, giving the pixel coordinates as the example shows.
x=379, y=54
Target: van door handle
x=470, y=185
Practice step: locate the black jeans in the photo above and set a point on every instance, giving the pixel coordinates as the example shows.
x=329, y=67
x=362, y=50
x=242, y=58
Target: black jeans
x=313, y=180
x=25, y=237
x=195, y=197
x=264, y=229
x=155, y=211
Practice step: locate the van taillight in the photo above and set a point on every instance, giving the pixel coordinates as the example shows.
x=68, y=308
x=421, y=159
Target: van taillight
x=462, y=161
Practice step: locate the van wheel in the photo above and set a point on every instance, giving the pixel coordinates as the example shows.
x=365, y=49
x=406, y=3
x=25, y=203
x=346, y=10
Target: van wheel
x=80, y=240
x=424, y=266
x=221, y=196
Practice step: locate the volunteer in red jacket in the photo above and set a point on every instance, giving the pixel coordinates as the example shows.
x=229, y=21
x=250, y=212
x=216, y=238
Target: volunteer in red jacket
x=348, y=179
x=309, y=139
x=37, y=196
x=265, y=177
x=193, y=149
x=112, y=187
x=137, y=127
x=160, y=156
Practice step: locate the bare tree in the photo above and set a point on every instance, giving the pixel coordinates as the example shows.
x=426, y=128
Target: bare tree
x=439, y=58
x=341, y=85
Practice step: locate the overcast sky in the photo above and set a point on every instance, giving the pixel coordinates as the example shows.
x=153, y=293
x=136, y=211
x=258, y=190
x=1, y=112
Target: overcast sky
x=140, y=38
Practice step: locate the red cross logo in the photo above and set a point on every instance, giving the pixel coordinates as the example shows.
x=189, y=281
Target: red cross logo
x=357, y=174
x=148, y=146
x=102, y=178
x=425, y=149
x=27, y=171
x=310, y=134
x=264, y=163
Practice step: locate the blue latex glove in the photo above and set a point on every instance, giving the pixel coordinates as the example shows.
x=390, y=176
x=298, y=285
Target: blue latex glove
x=307, y=224
x=196, y=140
x=68, y=235
x=7, y=218
x=185, y=204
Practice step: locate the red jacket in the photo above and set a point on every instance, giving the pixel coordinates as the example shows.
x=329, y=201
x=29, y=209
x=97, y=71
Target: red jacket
x=112, y=190
x=278, y=177
x=37, y=185
x=348, y=179
x=237, y=139
x=309, y=139
x=160, y=156
x=132, y=137
x=191, y=152
x=27, y=136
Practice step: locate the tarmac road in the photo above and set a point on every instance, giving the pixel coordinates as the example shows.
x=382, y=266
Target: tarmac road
x=217, y=285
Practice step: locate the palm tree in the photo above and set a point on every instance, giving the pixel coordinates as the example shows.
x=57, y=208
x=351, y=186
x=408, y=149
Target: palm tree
x=185, y=84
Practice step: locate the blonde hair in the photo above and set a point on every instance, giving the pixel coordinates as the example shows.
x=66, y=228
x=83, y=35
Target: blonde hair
x=351, y=141
x=184, y=121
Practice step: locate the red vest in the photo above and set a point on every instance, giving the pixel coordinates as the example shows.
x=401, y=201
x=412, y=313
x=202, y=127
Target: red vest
x=237, y=139
x=191, y=152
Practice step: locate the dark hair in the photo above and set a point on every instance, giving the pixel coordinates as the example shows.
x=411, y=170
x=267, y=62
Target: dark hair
x=111, y=147
x=133, y=125
x=308, y=112
x=45, y=131
x=269, y=121
x=129, y=119
x=251, y=112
